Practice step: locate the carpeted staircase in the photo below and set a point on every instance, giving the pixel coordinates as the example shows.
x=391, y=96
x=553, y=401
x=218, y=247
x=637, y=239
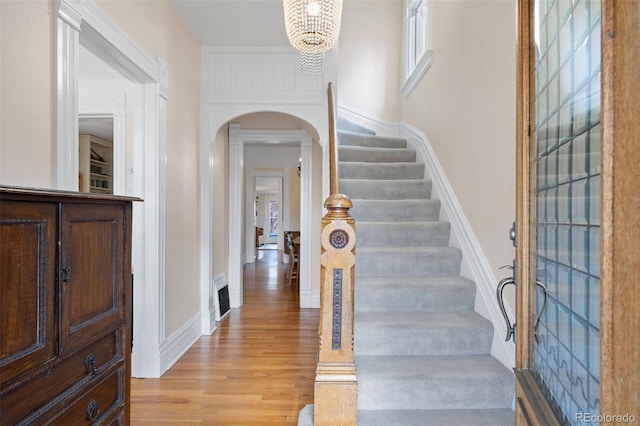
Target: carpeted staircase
x=422, y=353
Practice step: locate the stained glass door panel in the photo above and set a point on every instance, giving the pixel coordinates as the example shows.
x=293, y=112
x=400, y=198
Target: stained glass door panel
x=565, y=204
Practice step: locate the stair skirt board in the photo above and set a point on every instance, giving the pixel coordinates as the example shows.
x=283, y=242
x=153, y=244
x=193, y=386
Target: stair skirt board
x=423, y=356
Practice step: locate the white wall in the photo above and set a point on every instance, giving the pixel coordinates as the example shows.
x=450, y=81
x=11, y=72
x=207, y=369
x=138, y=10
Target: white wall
x=25, y=93
x=369, y=58
x=155, y=26
x=465, y=105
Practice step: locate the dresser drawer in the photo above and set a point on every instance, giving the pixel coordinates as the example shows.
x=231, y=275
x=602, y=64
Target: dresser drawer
x=95, y=405
x=39, y=392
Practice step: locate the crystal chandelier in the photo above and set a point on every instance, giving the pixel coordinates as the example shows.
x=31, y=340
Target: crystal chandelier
x=312, y=28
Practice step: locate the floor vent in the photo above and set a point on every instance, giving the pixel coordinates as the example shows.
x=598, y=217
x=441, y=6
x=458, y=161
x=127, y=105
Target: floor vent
x=223, y=298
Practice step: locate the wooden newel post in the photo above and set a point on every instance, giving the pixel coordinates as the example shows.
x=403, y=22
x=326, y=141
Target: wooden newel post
x=336, y=387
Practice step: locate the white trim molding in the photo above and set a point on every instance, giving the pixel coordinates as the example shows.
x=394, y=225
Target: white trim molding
x=305, y=278
x=236, y=218
x=368, y=121
x=211, y=313
x=250, y=196
x=416, y=75
x=417, y=51
x=108, y=99
x=179, y=342
x=66, y=53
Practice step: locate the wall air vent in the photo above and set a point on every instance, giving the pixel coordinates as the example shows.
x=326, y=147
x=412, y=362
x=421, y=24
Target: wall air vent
x=223, y=298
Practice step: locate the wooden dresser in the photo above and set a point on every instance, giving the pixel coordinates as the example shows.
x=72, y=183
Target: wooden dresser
x=65, y=307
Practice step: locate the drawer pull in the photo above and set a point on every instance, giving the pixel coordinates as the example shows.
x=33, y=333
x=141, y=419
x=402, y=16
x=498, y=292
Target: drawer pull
x=90, y=362
x=93, y=411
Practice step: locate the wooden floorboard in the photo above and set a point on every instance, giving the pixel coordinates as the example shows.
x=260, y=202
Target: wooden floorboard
x=258, y=368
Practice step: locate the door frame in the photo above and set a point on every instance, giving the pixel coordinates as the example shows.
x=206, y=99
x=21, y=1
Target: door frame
x=237, y=138
x=283, y=191
x=79, y=22
x=620, y=232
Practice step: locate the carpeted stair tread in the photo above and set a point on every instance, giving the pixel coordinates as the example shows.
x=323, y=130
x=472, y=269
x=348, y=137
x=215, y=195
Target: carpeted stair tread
x=407, y=261
x=418, y=210
x=422, y=333
x=427, y=294
x=349, y=138
x=400, y=189
x=376, y=155
x=388, y=171
x=408, y=234
x=343, y=124
x=478, y=417
x=432, y=382
x=422, y=353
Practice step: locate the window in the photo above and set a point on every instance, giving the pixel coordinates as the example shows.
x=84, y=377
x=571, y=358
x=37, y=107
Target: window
x=273, y=218
x=417, y=42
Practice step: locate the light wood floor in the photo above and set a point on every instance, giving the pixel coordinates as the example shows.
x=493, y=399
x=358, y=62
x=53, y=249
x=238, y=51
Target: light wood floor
x=258, y=368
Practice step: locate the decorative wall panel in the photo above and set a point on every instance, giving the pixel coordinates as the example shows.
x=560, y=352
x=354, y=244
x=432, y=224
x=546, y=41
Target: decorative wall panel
x=264, y=77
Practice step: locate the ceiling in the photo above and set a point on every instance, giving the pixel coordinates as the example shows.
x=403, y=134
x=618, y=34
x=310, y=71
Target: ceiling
x=232, y=23
x=100, y=127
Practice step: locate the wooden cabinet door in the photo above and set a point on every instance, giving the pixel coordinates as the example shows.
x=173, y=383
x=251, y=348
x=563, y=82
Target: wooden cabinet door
x=91, y=271
x=27, y=282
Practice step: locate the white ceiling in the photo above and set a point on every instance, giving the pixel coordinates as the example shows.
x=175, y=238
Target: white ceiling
x=230, y=23
x=100, y=127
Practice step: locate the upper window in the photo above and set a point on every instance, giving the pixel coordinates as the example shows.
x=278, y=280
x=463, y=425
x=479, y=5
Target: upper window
x=417, y=22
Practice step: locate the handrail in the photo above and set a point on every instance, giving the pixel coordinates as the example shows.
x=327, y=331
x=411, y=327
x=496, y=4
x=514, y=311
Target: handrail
x=336, y=387
x=334, y=183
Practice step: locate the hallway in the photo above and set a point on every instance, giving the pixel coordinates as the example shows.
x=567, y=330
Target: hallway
x=256, y=369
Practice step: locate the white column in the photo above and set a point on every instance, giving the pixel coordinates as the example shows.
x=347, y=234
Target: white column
x=236, y=167
x=306, y=230
x=65, y=154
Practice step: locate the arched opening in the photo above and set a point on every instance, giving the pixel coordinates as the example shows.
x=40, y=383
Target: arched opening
x=264, y=144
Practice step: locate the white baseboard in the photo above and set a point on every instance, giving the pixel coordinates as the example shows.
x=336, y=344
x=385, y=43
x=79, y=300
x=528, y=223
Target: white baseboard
x=310, y=298
x=381, y=128
x=179, y=342
x=475, y=265
x=208, y=323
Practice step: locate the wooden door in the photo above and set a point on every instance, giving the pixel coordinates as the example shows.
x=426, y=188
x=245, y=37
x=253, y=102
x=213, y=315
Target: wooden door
x=578, y=255
x=92, y=272
x=28, y=236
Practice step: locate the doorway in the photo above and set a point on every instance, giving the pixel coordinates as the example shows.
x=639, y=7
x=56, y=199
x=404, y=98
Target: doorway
x=270, y=209
x=83, y=24
x=241, y=227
